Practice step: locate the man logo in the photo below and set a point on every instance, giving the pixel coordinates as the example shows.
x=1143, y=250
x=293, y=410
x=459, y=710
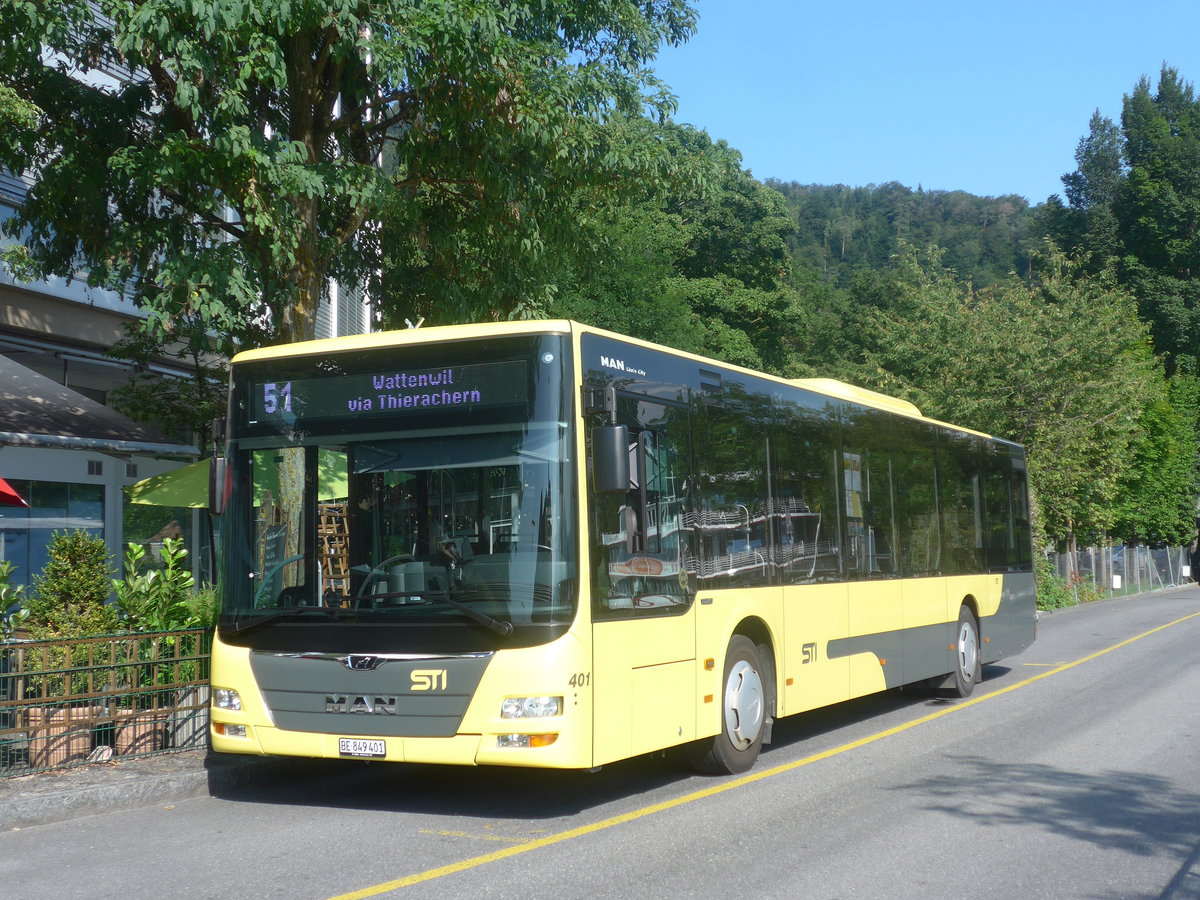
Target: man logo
x=357, y=663
x=342, y=703
x=428, y=679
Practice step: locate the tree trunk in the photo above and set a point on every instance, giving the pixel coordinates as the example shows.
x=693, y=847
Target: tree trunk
x=1072, y=557
x=298, y=319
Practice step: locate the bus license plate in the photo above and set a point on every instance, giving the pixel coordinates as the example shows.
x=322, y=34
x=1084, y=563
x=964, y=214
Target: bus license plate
x=360, y=747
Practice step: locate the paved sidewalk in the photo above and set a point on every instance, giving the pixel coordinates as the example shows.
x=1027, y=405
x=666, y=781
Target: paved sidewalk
x=98, y=788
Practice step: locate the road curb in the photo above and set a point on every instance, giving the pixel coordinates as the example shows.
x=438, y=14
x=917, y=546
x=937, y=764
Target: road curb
x=88, y=790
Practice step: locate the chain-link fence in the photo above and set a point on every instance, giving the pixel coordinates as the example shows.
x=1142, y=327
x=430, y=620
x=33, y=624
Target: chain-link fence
x=1119, y=570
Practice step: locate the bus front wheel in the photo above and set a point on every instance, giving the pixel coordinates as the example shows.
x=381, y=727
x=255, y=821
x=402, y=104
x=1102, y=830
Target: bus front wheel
x=744, y=712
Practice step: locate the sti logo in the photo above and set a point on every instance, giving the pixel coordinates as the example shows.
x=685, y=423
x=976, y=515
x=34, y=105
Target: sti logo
x=428, y=679
x=618, y=365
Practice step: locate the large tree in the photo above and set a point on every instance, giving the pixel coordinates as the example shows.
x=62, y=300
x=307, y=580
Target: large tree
x=1061, y=364
x=455, y=254
x=1156, y=496
x=1135, y=198
x=226, y=158
x=1089, y=224
x=1159, y=209
x=702, y=270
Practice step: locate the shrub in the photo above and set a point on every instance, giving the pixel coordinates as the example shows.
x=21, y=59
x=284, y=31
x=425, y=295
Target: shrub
x=12, y=613
x=206, y=606
x=160, y=599
x=69, y=596
x=1052, y=591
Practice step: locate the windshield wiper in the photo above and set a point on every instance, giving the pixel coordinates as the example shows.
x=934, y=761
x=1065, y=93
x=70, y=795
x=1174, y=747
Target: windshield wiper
x=277, y=614
x=497, y=625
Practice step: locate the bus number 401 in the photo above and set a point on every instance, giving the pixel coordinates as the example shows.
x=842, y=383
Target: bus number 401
x=580, y=679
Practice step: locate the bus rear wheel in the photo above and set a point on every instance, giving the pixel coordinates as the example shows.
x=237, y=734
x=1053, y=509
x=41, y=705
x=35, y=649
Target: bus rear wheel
x=744, y=702
x=968, y=667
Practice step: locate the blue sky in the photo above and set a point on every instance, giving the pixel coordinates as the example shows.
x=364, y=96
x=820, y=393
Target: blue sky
x=986, y=97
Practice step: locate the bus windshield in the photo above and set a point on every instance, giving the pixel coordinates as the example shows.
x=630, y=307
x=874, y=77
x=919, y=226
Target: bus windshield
x=406, y=520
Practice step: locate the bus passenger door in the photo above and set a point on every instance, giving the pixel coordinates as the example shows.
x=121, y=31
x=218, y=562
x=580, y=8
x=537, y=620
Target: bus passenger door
x=876, y=595
x=643, y=633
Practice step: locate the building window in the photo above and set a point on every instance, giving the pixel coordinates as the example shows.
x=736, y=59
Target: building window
x=53, y=506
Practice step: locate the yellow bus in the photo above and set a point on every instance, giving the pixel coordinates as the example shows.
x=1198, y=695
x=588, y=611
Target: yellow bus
x=543, y=544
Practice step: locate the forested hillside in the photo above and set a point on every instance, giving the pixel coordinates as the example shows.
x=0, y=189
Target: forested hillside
x=840, y=229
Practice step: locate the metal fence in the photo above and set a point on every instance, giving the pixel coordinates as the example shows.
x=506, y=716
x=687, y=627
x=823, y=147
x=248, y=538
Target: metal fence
x=1116, y=571
x=65, y=703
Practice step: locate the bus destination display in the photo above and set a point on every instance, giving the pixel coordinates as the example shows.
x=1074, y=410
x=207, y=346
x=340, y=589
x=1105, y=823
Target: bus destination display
x=392, y=392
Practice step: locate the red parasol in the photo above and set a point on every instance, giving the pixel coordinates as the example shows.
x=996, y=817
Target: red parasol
x=9, y=497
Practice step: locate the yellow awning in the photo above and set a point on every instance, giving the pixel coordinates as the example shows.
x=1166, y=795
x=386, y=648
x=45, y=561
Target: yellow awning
x=184, y=488
x=187, y=486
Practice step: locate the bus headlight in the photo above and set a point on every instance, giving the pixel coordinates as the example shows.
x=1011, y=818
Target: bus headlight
x=531, y=707
x=226, y=698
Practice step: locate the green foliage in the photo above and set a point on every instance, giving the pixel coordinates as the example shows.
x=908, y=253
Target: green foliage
x=180, y=407
x=69, y=596
x=1061, y=365
x=1158, y=209
x=15, y=112
x=205, y=606
x=841, y=231
x=1054, y=592
x=621, y=282
x=1090, y=225
x=1134, y=198
x=468, y=254
x=157, y=599
x=1156, y=500
x=238, y=167
x=12, y=614
x=702, y=266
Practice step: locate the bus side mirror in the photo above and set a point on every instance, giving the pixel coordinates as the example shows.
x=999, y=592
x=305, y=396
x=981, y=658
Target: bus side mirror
x=610, y=459
x=218, y=485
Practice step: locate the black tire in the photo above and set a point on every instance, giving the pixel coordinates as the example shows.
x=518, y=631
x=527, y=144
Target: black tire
x=745, y=696
x=967, y=664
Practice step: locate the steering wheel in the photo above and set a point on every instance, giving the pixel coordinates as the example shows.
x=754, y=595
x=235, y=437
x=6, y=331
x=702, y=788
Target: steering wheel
x=378, y=570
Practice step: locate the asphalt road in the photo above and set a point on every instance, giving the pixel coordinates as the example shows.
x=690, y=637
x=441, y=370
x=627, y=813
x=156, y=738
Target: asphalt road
x=1074, y=772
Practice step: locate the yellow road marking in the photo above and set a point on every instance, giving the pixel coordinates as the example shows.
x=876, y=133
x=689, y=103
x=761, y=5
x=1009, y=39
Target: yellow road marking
x=467, y=834
x=633, y=815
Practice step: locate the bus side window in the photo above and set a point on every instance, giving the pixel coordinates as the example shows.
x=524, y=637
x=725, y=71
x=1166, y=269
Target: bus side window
x=731, y=515
x=917, y=521
x=807, y=545
x=962, y=519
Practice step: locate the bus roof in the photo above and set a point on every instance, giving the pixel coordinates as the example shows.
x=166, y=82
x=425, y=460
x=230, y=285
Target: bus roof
x=865, y=396
x=830, y=387
x=407, y=336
